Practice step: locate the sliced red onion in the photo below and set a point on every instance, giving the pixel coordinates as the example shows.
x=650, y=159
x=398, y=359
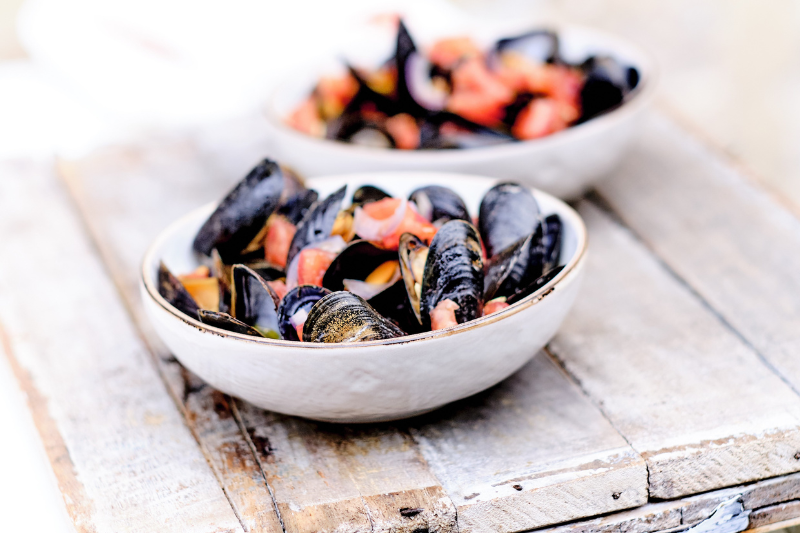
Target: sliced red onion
x=373, y=229
x=364, y=289
x=299, y=317
x=420, y=86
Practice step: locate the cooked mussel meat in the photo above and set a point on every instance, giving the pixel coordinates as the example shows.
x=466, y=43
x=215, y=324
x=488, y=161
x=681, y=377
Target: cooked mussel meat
x=346, y=317
x=454, y=271
x=254, y=302
x=173, y=291
x=413, y=255
x=508, y=213
x=294, y=308
x=226, y=322
x=243, y=213
x=439, y=204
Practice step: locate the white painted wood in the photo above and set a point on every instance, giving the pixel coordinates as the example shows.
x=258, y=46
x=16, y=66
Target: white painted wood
x=124, y=459
x=694, y=400
x=726, y=237
x=532, y=451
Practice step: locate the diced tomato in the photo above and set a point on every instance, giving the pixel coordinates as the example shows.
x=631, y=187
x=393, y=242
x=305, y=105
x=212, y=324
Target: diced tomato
x=447, y=52
x=299, y=329
x=311, y=266
x=412, y=222
x=278, y=240
x=334, y=93
x=279, y=287
x=444, y=315
x=541, y=117
x=478, y=94
x=306, y=118
x=382, y=209
x=493, y=306
x=404, y=130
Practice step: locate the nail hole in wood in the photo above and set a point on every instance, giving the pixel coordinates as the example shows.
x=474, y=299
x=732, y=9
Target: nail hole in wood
x=516, y=487
x=616, y=495
x=797, y=456
x=408, y=512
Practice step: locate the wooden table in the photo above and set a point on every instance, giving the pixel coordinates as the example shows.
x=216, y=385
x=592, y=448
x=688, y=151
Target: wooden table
x=670, y=391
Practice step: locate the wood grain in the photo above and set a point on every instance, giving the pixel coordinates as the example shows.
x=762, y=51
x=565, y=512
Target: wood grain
x=121, y=452
x=683, y=389
x=532, y=451
x=726, y=237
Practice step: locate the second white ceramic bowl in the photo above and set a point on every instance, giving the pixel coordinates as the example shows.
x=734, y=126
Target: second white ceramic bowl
x=564, y=164
x=370, y=381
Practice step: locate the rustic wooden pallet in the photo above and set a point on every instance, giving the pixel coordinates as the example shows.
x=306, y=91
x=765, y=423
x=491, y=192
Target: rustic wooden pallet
x=670, y=390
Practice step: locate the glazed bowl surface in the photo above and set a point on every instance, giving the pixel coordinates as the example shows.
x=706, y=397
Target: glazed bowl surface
x=377, y=380
x=564, y=164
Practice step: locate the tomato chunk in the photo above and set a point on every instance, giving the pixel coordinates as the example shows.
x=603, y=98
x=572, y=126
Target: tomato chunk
x=306, y=118
x=404, y=130
x=541, y=117
x=478, y=94
x=279, y=287
x=335, y=92
x=311, y=266
x=493, y=306
x=444, y=315
x=279, y=237
x=447, y=52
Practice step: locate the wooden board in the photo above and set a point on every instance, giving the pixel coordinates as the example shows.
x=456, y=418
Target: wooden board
x=123, y=458
x=537, y=452
x=694, y=400
x=731, y=242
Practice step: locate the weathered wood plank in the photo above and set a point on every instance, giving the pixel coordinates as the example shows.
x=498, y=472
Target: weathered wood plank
x=328, y=477
x=530, y=452
x=694, y=400
x=775, y=513
x=126, y=200
x=122, y=455
x=725, y=236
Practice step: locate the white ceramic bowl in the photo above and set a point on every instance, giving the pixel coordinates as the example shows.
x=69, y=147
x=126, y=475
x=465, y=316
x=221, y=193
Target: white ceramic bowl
x=370, y=381
x=564, y=164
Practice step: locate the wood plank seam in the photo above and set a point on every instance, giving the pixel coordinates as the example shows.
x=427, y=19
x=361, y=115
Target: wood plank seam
x=242, y=427
x=561, y=366
x=597, y=199
x=118, y=287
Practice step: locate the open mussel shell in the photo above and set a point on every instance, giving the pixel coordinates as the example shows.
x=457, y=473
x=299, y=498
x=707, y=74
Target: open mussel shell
x=368, y=193
x=345, y=317
x=316, y=226
x=508, y=213
x=296, y=206
x=538, y=45
x=551, y=241
x=393, y=303
x=242, y=213
x=254, y=302
x=226, y=322
x=454, y=271
x=413, y=255
x=439, y=204
x=607, y=83
x=357, y=261
x=534, y=286
x=298, y=300
x=173, y=291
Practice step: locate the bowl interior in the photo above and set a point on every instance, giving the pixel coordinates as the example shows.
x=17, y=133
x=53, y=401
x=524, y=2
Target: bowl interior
x=174, y=246
x=576, y=42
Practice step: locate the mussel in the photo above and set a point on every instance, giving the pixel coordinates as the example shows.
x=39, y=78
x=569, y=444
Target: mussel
x=173, y=291
x=242, y=213
x=453, y=271
x=439, y=204
x=537, y=284
x=345, y=317
x=413, y=255
x=316, y=226
x=226, y=322
x=355, y=262
x=254, y=302
x=294, y=308
x=508, y=213
x=539, y=45
x=607, y=83
x=368, y=193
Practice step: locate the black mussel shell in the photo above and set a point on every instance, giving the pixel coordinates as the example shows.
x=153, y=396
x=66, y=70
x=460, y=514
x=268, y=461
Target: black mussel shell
x=393, y=304
x=413, y=255
x=551, y=242
x=357, y=261
x=419, y=94
x=473, y=136
x=538, y=45
x=300, y=298
x=607, y=83
x=242, y=213
x=508, y=213
x=226, y=322
x=454, y=271
x=173, y=291
x=351, y=126
x=222, y=272
x=266, y=270
x=345, y=317
x=437, y=203
x=513, y=109
x=254, y=302
x=366, y=95
x=295, y=207
x=317, y=225
x=537, y=284
x=368, y=193
x=406, y=58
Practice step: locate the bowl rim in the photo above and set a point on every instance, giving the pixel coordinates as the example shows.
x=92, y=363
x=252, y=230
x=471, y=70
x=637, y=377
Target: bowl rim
x=576, y=222
x=639, y=97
